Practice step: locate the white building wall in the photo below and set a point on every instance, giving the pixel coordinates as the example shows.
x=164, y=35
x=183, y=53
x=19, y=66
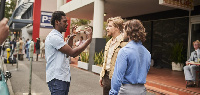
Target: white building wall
x=25, y=34
x=48, y=6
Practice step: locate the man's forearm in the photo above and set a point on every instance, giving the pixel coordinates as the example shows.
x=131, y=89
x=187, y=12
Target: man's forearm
x=70, y=43
x=82, y=47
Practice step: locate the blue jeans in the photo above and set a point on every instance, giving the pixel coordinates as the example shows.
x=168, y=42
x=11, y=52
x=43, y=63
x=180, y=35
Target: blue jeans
x=27, y=52
x=58, y=87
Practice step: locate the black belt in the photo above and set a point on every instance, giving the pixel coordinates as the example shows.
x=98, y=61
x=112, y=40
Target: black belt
x=107, y=72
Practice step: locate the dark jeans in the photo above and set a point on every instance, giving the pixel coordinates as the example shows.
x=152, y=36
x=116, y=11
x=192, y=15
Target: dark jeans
x=106, y=84
x=58, y=87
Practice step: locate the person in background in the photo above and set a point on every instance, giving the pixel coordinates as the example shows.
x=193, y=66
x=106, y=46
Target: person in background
x=37, y=47
x=27, y=48
x=12, y=46
x=21, y=45
x=190, y=70
x=80, y=42
x=42, y=48
x=3, y=30
x=114, y=29
x=133, y=62
x=3, y=48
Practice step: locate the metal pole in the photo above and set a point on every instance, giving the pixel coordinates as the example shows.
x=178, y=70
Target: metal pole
x=30, y=76
x=31, y=49
x=189, y=35
x=2, y=10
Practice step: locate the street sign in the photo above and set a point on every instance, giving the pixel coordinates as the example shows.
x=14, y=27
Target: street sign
x=45, y=21
x=181, y=4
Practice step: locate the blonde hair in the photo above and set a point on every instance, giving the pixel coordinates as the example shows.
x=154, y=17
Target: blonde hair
x=117, y=22
x=197, y=41
x=135, y=30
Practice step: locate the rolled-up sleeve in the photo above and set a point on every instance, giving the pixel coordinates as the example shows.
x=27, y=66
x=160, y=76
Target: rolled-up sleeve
x=119, y=72
x=57, y=42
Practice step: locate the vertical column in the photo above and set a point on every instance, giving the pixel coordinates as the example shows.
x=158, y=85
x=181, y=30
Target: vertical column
x=68, y=21
x=98, y=18
x=98, y=43
x=59, y=3
x=189, y=35
x=36, y=19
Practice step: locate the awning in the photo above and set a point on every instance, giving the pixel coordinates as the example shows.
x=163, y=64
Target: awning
x=21, y=16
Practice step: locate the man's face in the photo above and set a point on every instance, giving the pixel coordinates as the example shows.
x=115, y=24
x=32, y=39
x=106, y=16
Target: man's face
x=196, y=45
x=111, y=29
x=62, y=24
x=126, y=38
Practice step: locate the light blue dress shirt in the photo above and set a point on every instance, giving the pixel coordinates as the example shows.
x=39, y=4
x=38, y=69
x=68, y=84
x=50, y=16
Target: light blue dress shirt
x=57, y=64
x=132, y=65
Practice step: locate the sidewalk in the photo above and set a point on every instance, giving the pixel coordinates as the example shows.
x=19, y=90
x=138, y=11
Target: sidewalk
x=83, y=82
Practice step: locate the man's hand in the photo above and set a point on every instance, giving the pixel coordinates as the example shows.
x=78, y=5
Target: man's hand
x=71, y=37
x=3, y=30
x=89, y=32
x=187, y=62
x=101, y=82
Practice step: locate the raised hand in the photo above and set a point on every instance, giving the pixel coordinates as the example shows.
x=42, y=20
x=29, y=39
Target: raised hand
x=89, y=32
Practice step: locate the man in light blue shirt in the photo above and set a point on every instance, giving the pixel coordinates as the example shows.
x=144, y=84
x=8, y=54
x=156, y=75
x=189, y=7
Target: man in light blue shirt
x=133, y=62
x=56, y=50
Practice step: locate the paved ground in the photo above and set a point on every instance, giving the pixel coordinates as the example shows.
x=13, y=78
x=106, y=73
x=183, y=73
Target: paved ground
x=83, y=82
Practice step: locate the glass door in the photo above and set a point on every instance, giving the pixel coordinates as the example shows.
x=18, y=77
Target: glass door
x=195, y=34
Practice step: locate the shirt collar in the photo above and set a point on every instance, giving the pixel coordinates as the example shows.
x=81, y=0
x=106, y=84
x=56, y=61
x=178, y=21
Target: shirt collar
x=133, y=42
x=56, y=31
x=117, y=38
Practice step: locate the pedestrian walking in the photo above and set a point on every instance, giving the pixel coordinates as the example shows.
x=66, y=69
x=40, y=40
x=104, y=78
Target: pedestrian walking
x=57, y=68
x=42, y=48
x=37, y=47
x=132, y=63
x=3, y=49
x=114, y=29
x=27, y=45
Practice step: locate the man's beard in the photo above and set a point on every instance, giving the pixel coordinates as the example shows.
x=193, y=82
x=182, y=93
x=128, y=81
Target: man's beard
x=126, y=39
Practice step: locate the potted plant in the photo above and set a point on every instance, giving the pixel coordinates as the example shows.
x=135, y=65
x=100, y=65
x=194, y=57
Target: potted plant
x=84, y=60
x=177, y=57
x=98, y=62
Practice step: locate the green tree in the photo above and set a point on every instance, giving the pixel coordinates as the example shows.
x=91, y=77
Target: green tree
x=9, y=8
x=80, y=22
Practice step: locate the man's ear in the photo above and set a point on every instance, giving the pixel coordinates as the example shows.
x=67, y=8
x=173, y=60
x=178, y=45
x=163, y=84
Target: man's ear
x=56, y=22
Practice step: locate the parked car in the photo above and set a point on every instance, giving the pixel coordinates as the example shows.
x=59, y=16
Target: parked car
x=3, y=82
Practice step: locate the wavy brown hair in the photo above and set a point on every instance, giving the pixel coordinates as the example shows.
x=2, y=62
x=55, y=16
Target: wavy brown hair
x=117, y=21
x=135, y=30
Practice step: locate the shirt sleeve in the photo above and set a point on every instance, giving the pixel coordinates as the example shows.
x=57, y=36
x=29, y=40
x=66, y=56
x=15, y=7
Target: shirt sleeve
x=119, y=72
x=191, y=57
x=57, y=42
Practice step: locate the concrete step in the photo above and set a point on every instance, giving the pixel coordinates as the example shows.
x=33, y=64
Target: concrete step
x=158, y=91
x=167, y=90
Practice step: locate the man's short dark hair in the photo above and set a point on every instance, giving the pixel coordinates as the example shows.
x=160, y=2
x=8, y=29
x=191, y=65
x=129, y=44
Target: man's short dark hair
x=82, y=37
x=57, y=15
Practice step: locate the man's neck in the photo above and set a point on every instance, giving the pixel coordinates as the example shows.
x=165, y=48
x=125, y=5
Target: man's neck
x=116, y=34
x=58, y=30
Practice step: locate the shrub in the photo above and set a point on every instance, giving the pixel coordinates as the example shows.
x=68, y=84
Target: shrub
x=85, y=57
x=99, y=58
